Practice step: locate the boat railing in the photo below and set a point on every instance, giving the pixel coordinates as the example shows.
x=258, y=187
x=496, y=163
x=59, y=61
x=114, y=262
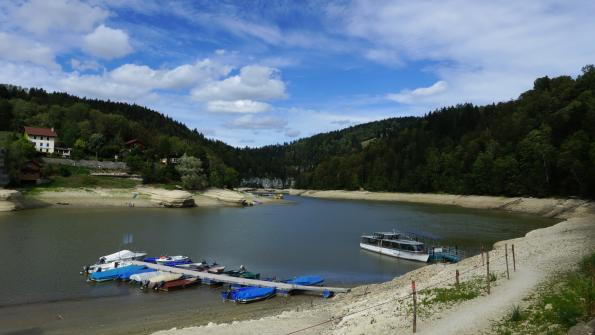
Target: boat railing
x=446, y=254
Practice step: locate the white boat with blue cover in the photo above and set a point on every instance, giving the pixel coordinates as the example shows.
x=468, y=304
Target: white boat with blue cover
x=395, y=244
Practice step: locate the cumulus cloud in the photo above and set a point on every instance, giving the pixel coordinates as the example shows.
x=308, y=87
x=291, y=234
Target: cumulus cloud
x=84, y=65
x=43, y=16
x=409, y=96
x=237, y=106
x=486, y=51
x=107, y=43
x=254, y=82
x=16, y=48
x=257, y=122
x=292, y=133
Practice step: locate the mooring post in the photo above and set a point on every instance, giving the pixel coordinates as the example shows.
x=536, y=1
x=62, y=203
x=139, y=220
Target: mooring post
x=457, y=274
x=414, y=306
x=482, y=262
x=488, y=269
x=513, y=260
x=506, y=256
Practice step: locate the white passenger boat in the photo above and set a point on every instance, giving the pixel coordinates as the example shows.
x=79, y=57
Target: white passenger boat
x=395, y=244
x=112, y=261
x=167, y=259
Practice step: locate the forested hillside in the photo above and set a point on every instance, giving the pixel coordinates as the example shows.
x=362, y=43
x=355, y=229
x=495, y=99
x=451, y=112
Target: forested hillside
x=541, y=144
x=100, y=129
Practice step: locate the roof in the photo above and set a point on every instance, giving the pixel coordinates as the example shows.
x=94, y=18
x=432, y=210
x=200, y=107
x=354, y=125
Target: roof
x=40, y=132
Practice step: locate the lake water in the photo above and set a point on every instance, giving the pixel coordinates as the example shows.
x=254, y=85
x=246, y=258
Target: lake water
x=43, y=250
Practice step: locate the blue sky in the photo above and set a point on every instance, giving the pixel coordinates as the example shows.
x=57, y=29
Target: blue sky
x=252, y=73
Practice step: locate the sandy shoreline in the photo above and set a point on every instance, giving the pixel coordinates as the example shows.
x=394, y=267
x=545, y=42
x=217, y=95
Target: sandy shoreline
x=139, y=197
x=376, y=309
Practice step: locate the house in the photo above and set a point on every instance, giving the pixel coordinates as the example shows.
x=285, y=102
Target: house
x=43, y=139
x=63, y=152
x=30, y=172
x=135, y=143
x=170, y=160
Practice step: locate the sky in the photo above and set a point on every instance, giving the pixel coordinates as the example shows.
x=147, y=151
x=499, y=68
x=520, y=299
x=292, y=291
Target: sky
x=252, y=73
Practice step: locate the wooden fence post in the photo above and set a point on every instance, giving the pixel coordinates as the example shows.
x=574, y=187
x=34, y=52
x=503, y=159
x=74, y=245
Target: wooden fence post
x=513, y=260
x=457, y=277
x=506, y=256
x=414, y=306
x=488, y=269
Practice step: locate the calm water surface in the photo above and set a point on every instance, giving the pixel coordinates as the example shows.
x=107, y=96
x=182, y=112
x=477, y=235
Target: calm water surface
x=43, y=250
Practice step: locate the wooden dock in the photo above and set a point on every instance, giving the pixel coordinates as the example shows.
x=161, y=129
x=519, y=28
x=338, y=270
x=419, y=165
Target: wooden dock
x=241, y=281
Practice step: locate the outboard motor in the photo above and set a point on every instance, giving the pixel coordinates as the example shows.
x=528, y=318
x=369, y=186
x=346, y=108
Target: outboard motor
x=144, y=284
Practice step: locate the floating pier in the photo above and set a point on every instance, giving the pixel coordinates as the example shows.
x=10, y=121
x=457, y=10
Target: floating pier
x=241, y=281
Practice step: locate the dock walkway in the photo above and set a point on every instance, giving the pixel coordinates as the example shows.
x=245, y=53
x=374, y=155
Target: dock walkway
x=241, y=281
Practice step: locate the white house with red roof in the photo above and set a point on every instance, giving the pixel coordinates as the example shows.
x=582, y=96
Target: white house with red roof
x=44, y=139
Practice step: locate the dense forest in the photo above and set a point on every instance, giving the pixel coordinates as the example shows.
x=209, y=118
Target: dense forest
x=541, y=144
x=97, y=129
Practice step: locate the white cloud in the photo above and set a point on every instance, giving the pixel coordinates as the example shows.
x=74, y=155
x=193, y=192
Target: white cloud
x=18, y=49
x=409, y=96
x=292, y=133
x=107, y=43
x=254, y=82
x=237, y=106
x=84, y=65
x=486, y=51
x=44, y=16
x=251, y=121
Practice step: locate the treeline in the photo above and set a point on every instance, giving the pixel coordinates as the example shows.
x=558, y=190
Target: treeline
x=541, y=144
x=100, y=129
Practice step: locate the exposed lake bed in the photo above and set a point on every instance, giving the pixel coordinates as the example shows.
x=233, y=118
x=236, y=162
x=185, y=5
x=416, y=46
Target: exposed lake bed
x=309, y=236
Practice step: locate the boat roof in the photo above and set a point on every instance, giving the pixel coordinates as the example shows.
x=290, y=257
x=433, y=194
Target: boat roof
x=403, y=241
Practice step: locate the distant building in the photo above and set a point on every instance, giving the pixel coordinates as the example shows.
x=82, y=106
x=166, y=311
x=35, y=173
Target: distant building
x=30, y=172
x=64, y=152
x=170, y=160
x=43, y=139
x=135, y=143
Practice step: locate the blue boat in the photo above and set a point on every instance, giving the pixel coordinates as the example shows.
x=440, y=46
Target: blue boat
x=126, y=275
x=113, y=273
x=248, y=294
x=305, y=280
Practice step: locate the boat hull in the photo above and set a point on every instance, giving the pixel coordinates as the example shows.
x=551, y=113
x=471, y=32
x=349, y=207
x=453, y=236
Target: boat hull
x=420, y=257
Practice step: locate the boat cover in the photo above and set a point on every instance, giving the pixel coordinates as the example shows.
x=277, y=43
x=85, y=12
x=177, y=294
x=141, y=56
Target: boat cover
x=139, y=277
x=126, y=275
x=114, y=273
x=250, y=293
x=120, y=255
x=165, y=277
x=306, y=280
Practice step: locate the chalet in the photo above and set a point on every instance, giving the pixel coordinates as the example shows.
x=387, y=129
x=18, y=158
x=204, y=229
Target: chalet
x=43, y=139
x=135, y=143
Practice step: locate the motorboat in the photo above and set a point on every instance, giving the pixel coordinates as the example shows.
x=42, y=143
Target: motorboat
x=395, y=244
x=141, y=277
x=248, y=294
x=112, y=274
x=112, y=261
x=177, y=284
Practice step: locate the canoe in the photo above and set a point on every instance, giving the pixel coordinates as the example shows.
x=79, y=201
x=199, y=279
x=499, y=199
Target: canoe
x=113, y=273
x=248, y=294
x=177, y=284
x=140, y=277
x=126, y=275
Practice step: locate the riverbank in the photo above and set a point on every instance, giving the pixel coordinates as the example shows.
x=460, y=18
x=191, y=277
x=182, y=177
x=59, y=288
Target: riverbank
x=138, y=197
x=384, y=308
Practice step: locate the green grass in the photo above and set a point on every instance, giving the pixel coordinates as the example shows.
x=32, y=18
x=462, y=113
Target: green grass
x=557, y=305
x=80, y=181
x=468, y=290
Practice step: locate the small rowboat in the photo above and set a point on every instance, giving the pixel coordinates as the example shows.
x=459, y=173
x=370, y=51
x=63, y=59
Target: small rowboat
x=177, y=284
x=248, y=294
x=163, y=278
